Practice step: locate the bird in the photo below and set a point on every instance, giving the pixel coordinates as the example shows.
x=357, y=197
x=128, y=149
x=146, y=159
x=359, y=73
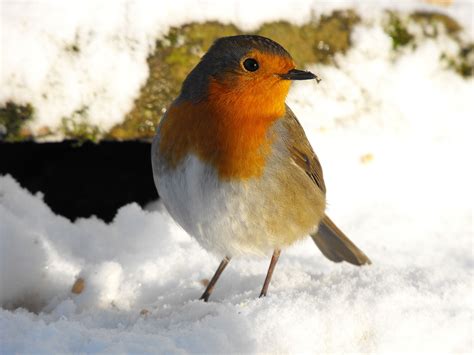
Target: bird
x=232, y=164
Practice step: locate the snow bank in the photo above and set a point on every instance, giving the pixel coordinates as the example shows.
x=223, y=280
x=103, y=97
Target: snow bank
x=142, y=280
x=88, y=59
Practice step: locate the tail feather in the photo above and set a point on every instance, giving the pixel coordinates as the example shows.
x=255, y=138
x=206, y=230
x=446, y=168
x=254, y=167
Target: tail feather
x=335, y=246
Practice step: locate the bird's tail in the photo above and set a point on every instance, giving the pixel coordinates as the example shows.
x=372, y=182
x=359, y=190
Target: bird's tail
x=335, y=246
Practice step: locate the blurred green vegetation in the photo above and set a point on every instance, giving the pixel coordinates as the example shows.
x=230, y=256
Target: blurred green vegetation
x=397, y=29
x=402, y=32
x=79, y=128
x=317, y=41
x=403, y=29
x=12, y=119
x=463, y=62
x=432, y=21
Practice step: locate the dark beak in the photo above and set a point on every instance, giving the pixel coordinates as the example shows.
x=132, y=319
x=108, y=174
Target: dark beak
x=296, y=74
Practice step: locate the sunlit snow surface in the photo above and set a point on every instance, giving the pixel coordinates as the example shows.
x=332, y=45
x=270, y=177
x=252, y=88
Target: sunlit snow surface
x=394, y=138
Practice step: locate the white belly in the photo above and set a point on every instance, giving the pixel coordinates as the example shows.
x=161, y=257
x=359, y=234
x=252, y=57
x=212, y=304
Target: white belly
x=231, y=218
x=215, y=213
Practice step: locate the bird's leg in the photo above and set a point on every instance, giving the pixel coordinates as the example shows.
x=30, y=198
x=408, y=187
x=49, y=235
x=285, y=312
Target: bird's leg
x=212, y=283
x=275, y=256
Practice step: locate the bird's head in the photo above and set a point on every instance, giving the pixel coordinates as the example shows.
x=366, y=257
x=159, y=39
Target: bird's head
x=245, y=72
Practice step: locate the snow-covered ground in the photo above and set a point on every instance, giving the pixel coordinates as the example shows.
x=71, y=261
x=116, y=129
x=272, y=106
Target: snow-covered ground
x=394, y=137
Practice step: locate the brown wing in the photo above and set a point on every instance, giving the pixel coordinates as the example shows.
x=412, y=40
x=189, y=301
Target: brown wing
x=332, y=242
x=301, y=151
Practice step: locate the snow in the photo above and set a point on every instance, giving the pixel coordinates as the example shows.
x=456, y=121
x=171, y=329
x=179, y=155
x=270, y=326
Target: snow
x=393, y=134
x=415, y=297
x=87, y=59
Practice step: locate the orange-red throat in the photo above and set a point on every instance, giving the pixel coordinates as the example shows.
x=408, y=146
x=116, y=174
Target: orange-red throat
x=229, y=128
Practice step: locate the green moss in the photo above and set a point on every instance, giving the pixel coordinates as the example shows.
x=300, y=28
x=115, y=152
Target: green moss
x=463, y=63
x=397, y=29
x=292, y=38
x=400, y=29
x=430, y=20
x=316, y=41
x=79, y=128
x=12, y=119
x=432, y=24
x=333, y=35
x=466, y=55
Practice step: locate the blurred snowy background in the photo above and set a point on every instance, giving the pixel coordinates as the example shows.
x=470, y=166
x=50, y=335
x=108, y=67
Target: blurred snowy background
x=391, y=123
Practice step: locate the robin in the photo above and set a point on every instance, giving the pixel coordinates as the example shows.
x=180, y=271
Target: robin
x=232, y=163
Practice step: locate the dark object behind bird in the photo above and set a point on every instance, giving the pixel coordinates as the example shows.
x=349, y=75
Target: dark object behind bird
x=80, y=180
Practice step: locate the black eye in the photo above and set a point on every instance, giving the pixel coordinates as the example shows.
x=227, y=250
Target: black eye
x=250, y=64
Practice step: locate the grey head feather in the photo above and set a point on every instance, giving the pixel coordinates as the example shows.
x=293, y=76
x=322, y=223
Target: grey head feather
x=224, y=57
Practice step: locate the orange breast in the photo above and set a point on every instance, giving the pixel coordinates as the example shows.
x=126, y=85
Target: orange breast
x=229, y=130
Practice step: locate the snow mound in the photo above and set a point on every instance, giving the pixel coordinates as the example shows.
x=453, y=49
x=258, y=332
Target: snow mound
x=142, y=279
